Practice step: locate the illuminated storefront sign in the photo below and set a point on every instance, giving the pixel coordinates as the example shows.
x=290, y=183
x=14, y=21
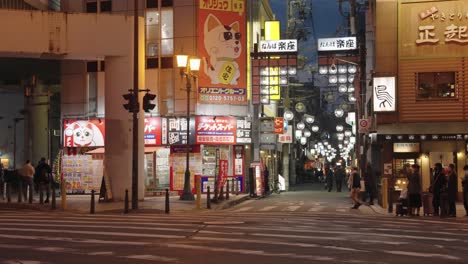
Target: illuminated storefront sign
x=384, y=94
x=215, y=130
x=337, y=44
x=406, y=147
x=83, y=133
x=282, y=45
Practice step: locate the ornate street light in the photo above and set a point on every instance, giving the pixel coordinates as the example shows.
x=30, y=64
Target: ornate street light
x=189, y=71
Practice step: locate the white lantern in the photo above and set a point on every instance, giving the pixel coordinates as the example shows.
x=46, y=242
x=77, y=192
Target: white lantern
x=339, y=128
x=352, y=69
x=298, y=134
x=351, y=88
x=288, y=115
x=332, y=79
x=303, y=140
x=307, y=133
x=348, y=133
x=300, y=125
x=351, y=78
x=339, y=112
x=323, y=69
x=315, y=128
x=309, y=119
x=342, y=88
x=342, y=69
x=332, y=69
x=352, y=98
x=342, y=79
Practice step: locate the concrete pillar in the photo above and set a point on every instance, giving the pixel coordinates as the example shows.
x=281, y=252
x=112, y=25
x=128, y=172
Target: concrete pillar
x=285, y=154
x=39, y=123
x=118, y=140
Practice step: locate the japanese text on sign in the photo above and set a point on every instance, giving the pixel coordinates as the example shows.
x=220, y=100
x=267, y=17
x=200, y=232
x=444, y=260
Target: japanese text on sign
x=454, y=32
x=283, y=45
x=223, y=5
x=328, y=44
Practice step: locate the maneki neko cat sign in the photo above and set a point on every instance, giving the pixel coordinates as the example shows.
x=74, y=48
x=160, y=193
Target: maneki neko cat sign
x=222, y=76
x=83, y=133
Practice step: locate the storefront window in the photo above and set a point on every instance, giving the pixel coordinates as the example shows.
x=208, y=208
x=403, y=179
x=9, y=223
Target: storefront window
x=154, y=29
x=433, y=85
x=209, y=158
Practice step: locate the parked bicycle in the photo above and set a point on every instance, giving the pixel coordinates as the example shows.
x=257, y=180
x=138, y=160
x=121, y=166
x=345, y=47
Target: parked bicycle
x=275, y=187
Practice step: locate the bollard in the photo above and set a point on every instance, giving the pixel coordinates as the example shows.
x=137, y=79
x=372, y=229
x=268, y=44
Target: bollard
x=53, y=204
x=221, y=194
x=227, y=190
x=167, y=209
x=41, y=194
x=126, y=202
x=208, y=198
x=390, y=199
x=30, y=192
x=92, y=202
x=233, y=186
x=4, y=190
x=20, y=192
x=237, y=187
x=8, y=192
x=198, y=186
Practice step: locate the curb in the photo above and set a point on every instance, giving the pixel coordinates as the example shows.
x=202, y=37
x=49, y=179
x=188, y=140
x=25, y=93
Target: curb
x=28, y=206
x=232, y=203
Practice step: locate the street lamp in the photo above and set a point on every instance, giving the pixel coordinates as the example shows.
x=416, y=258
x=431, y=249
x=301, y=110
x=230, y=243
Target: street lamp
x=189, y=71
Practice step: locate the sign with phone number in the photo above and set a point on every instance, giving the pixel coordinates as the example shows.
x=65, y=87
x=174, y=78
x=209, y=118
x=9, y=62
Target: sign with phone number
x=222, y=99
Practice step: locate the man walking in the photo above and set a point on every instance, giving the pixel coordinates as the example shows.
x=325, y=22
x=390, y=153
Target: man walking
x=27, y=173
x=340, y=174
x=369, y=183
x=43, y=174
x=436, y=187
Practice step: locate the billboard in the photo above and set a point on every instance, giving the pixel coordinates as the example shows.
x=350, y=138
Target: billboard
x=222, y=48
x=216, y=130
x=337, y=44
x=83, y=133
x=152, y=132
x=384, y=94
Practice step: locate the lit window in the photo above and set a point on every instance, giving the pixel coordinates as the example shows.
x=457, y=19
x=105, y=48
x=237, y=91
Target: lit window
x=436, y=85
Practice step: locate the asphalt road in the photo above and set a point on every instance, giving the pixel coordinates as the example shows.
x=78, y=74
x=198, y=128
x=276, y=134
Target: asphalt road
x=277, y=235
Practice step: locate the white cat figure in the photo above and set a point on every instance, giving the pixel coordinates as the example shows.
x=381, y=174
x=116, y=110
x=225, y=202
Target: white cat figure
x=82, y=134
x=223, y=46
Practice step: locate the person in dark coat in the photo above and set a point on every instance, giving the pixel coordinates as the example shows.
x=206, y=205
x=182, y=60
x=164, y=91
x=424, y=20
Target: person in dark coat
x=266, y=180
x=329, y=178
x=452, y=190
x=414, y=191
x=43, y=177
x=339, y=174
x=369, y=182
x=465, y=189
x=436, y=187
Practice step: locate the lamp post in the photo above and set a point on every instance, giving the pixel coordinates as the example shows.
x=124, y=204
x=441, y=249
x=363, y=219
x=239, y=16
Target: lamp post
x=190, y=71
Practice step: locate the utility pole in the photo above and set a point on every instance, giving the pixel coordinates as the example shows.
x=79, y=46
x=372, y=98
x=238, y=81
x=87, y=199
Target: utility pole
x=136, y=109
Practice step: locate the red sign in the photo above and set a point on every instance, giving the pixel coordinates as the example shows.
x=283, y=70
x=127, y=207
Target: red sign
x=152, y=131
x=279, y=125
x=215, y=130
x=83, y=133
x=223, y=172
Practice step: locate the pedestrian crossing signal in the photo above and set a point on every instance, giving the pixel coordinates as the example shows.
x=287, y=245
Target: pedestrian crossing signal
x=147, y=105
x=132, y=105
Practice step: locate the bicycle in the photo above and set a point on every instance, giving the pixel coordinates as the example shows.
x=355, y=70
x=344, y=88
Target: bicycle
x=275, y=187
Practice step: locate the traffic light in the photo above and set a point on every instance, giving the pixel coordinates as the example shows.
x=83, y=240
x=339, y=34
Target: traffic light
x=132, y=104
x=147, y=105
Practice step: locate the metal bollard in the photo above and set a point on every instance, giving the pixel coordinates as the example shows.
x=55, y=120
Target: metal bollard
x=227, y=190
x=390, y=200
x=20, y=192
x=92, y=202
x=237, y=187
x=53, y=204
x=233, y=186
x=126, y=202
x=167, y=209
x=30, y=193
x=198, y=187
x=8, y=192
x=208, y=198
x=4, y=190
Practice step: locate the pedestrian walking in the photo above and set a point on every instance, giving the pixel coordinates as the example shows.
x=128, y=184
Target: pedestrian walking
x=43, y=177
x=414, y=191
x=436, y=187
x=452, y=190
x=465, y=189
x=329, y=178
x=355, y=181
x=339, y=174
x=266, y=180
x=369, y=182
x=27, y=173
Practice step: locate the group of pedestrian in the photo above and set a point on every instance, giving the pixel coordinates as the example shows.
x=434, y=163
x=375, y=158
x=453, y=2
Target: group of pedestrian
x=444, y=189
x=335, y=176
x=38, y=178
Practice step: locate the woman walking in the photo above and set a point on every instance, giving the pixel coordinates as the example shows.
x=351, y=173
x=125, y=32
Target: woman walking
x=414, y=191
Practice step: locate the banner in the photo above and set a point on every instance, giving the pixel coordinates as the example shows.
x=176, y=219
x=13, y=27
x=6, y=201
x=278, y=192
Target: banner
x=222, y=76
x=279, y=125
x=215, y=130
x=223, y=173
x=152, y=132
x=83, y=133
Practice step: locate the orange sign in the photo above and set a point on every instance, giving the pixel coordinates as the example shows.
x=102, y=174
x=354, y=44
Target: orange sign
x=222, y=78
x=279, y=125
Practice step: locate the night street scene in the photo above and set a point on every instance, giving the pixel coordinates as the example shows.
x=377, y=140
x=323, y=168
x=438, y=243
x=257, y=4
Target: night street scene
x=233, y=131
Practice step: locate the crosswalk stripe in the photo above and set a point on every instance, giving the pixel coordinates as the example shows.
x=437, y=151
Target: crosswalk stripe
x=242, y=209
x=315, y=209
x=267, y=208
x=291, y=208
x=73, y=240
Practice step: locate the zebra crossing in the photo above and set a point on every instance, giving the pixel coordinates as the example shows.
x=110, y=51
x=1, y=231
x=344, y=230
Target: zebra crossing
x=291, y=234
x=299, y=207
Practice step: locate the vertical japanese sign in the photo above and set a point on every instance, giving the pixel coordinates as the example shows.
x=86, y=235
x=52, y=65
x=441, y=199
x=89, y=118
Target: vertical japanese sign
x=152, y=132
x=222, y=38
x=215, y=130
x=223, y=172
x=177, y=131
x=244, y=131
x=279, y=125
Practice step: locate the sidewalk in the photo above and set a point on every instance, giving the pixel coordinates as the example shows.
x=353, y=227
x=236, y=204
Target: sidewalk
x=384, y=211
x=82, y=204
